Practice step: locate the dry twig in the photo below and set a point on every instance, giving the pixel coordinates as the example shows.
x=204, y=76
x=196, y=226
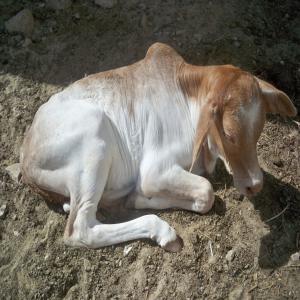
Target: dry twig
x=278, y=215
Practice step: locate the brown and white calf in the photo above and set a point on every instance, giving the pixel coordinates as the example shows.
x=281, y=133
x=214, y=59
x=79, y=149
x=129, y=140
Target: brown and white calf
x=139, y=132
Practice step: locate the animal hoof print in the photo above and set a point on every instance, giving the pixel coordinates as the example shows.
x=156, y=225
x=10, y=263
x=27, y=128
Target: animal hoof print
x=174, y=246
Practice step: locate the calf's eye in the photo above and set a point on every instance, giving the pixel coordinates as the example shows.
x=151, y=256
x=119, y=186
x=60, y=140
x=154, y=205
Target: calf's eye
x=229, y=137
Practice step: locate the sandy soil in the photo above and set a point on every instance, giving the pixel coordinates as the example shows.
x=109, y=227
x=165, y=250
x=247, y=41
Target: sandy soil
x=259, y=36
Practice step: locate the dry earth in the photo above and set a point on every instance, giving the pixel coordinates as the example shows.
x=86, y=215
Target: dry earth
x=260, y=36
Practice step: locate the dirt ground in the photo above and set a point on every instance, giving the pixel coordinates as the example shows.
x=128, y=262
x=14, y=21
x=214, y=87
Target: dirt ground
x=259, y=36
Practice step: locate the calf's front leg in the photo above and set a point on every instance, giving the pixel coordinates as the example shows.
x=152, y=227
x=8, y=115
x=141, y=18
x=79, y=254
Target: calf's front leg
x=173, y=188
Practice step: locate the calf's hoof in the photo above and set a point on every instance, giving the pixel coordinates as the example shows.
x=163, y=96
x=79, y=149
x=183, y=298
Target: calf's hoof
x=174, y=246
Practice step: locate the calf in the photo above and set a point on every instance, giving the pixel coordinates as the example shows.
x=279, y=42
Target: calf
x=141, y=133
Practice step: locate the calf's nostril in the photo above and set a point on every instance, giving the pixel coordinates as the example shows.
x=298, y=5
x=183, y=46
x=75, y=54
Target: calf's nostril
x=252, y=190
x=249, y=190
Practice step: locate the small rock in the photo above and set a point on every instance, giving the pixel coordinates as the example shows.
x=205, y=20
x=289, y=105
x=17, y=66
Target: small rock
x=77, y=16
x=27, y=42
x=16, y=233
x=127, y=249
x=87, y=265
x=22, y=22
x=3, y=211
x=59, y=4
x=17, y=38
x=237, y=44
x=230, y=255
x=239, y=293
x=295, y=256
x=106, y=3
x=14, y=171
x=212, y=260
x=198, y=36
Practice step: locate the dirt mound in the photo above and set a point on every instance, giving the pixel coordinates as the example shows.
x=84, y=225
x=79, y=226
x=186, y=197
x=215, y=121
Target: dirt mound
x=238, y=250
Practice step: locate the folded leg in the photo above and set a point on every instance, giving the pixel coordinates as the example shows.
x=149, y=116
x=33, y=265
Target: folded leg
x=173, y=188
x=83, y=229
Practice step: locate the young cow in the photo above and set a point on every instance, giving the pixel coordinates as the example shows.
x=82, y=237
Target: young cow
x=139, y=132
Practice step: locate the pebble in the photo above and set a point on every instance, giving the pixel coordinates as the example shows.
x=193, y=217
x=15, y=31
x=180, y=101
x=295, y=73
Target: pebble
x=106, y=3
x=127, y=249
x=237, y=44
x=77, y=16
x=295, y=256
x=22, y=22
x=3, y=211
x=87, y=265
x=212, y=259
x=230, y=255
x=239, y=293
x=14, y=171
x=27, y=42
x=59, y=4
x=198, y=36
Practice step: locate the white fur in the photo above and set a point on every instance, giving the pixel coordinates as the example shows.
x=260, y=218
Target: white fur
x=89, y=146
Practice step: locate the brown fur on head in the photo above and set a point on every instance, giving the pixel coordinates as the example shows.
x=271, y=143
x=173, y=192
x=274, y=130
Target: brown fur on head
x=233, y=105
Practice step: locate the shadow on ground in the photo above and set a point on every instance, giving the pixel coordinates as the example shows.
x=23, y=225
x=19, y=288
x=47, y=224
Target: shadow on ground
x=278, y=205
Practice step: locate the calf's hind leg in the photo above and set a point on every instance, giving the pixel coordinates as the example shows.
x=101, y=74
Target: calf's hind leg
x=83, y=229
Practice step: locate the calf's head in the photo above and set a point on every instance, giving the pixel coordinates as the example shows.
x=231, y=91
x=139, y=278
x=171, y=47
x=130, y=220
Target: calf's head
x=233, y=105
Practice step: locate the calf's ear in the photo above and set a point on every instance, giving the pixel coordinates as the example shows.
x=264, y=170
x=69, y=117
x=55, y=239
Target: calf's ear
x=276, y=101
x=207, y=117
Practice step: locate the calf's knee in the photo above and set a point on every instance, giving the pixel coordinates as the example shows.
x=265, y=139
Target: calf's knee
x=205, y=198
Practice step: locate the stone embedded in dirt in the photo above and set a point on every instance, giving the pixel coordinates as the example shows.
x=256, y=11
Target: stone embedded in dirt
x=87, y=265
x=295, y=256
x=237, y=44
x=212, y=260
x=27, y=42
x=77, y=16
x=14, y=171
x=239, y=293
x=230, y=255
x=59, y=4
x=127, y=249
x=22, y=22
x=106, y=3
x=3, y=211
